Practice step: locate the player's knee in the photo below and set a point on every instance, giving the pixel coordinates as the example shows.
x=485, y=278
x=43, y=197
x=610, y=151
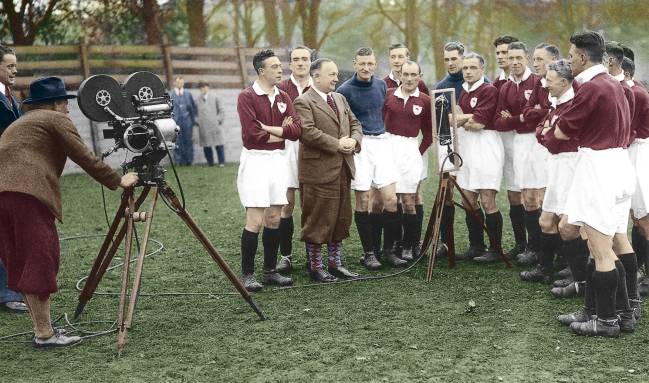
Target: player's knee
x=567, y=231
x=271, y=219
x=389, y=203
x=547, y=224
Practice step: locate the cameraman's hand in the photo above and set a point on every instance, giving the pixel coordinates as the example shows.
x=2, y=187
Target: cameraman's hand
x=129, y=180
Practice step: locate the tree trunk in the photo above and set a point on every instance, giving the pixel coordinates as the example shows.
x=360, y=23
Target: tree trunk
x=270, y=16
x=196, y=21
x=289, y=20
x=412, y=28
x=24, y=24
x=152, y=24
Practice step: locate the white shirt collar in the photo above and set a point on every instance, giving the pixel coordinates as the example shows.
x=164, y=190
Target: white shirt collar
x=322, y=94
x=399, y=94
x=589, y=73
x=619, y=77
x=503, y=76
x=526, y=75
x=476, y=85
x=393, y=78
x=630, y=83
x=3, y=88
x=567, y=96
x=260, y=92
x=297, y=84
x=544, y=82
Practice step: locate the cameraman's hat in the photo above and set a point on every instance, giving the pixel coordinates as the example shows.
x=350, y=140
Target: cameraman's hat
x=47, y=89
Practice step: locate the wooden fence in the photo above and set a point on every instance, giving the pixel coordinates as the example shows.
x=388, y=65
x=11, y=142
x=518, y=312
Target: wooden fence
x=222, y=68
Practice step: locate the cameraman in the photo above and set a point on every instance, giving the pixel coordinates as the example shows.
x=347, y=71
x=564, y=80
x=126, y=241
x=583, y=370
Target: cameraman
x=33, y=152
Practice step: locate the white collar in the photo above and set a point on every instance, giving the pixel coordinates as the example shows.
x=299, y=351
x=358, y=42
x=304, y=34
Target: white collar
x=565, y=97
x=503, y=76
x=544, y=82
x=297, y=84
x=3, y=88
x=589, y=73
x=391, y=75
x=476, y=85
x=400, y=94
x=322, y=94
x=526, y=75
x=260, y=92
x=630, y=83
x=619, y=77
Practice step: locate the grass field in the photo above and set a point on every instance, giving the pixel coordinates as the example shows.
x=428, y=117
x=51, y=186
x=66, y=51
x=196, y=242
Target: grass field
x=396, y=329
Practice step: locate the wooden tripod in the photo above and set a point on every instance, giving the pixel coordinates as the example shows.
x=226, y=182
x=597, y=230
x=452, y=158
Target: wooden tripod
x=127, y=215
x=431, y=237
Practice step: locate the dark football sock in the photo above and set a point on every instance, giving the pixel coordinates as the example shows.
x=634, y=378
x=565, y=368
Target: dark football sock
x=362, y=219
x=517, y=217
x=376, y=229
x=549, y=245
x=630, y=264
x=621, y=295
x=410, y=232
x=589, y=288
x=606, y=286
x=419, y=212
x=639, y=245
x=286, y=229
x=533, y=229
x=446, y=225
x=270, y=239
x=248, y=250
x=391, y=227
x=474, y=226
x=573, y=251
x=398, y=241
x=494, y=223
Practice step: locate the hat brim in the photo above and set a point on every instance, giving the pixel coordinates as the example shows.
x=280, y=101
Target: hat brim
x=30, y=100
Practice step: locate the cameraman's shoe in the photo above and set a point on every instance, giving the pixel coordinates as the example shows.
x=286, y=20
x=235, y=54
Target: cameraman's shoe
x=488, y=256
x=58, y=339
x=537, y=275
x=627, y=321
x=285, y=264
x=529, y=257
x=597, y=327
x=390, y=257
x=575, y=289
x=582, y=315
x=250, y=283
x=370, y=262
x=272, y=277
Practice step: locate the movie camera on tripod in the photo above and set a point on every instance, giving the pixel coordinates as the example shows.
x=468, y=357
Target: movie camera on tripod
x=139, y=117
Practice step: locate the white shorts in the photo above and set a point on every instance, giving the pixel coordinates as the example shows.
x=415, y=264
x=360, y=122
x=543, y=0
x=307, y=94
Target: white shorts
x=601, y=190
x=508, y=168
x=561, y=170
x=290, y=151
x=639, y=153
x=530, y=162
x=424, y=165
x=261, y=181
x=408, y=162
x=483, y=158
x=375, y=167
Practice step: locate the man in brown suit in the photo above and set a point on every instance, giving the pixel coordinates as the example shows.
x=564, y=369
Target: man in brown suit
x=330, y=136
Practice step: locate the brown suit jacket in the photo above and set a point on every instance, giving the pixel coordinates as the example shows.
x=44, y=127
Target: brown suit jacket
x=319, y=160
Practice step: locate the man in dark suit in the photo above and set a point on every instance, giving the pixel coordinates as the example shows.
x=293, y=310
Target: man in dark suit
x=330, y=136
x=9, y=112
x=184, y=110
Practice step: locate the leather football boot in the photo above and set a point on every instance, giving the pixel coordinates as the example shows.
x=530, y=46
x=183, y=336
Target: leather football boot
x=575, y=289
x=472, y=253
x=391, y=258
x=582, y=315
x=564, y=273
x=537, y=275
x=285, y=264
x=627, y=321
x=322, y=276
x=529, y=257
x=562, y=282
x=488, y=257
x=637, y=310
x=406, y=255
x=370, y=262
x=250, y=283
x=442, y=251
x=272, y=277
x=643, y=286
x=519, y=248
x=342, y=273
x=597, y=327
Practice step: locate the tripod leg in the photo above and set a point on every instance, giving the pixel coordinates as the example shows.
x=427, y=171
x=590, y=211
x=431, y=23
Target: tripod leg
x=105, y=257
x=140, y=259
x=121, y=327
x=437, y=219
x=211, y=250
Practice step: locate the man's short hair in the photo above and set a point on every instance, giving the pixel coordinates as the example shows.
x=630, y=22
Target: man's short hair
x=454, y=46
x=364, y=51
x=563, y=69
x=475, y=55
x=552, y=49
x=5, y=50
x=628, y=66
x=259, y=58
x=628, y=52
x=290, y=54
x=504, y=40
x=202, y=84
x=398, y=46
x=615, y=50
x=316, y=65
x=410, y=62
x=517, y=45
x=178, y=77
x=590, y=42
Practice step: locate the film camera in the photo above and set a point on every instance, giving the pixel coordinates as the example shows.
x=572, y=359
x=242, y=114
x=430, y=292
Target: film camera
x=443, y=128
x=139, y=118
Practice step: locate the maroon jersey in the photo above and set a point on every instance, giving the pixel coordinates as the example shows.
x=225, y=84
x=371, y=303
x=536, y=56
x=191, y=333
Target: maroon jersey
x=290, y=88
x=254, y=108
x=513, y=97
x=630, y=98
x=640, y=122
x=481, y=102
x=500, y=81
x=599, y=115
x=538, y=106
x=393, y=84
x=554, y=145
x=409, y=118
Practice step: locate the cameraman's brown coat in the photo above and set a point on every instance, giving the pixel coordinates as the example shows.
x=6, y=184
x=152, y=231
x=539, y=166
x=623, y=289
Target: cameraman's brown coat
x=325, y=174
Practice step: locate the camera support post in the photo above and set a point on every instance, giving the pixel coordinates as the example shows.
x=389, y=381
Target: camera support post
x=445, y=135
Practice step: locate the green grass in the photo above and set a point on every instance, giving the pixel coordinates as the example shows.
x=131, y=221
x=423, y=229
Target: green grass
x=396, y=329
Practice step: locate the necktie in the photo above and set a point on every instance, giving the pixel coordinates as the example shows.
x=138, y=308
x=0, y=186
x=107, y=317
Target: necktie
x=8, y=95
x=332, y=104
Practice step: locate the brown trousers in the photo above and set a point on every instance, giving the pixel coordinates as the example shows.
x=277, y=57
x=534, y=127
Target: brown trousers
x=327, y=209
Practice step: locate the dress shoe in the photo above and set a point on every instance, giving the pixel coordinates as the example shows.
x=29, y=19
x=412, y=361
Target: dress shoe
x=473, y=252
x=643, y=286
x=575, y=289
x=563, y=282
x=322, y=276
x=597, y=327
x=406, y=255
x=15, y=307
x=285, y=264
x=564, y=273
x=627, y=321
x=58, y=339
x=519, y=248
x=370, y=262
x=342, y=273
x=391, y=258
x=488, y=256
x=537, y=275
x=582, y=315
x=637, y=310
x=529, y=257
x=272, y=277
x=250, y=283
